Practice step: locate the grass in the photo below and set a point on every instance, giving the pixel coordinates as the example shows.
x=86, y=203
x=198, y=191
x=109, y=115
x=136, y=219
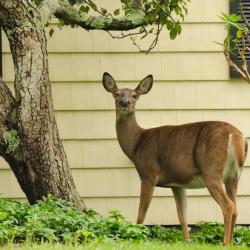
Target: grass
x=122, y=245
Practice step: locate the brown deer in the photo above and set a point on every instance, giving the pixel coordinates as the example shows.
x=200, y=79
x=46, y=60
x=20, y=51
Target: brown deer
x=196, y=155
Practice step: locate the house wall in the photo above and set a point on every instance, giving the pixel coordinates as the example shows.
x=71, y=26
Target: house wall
x=191, y=84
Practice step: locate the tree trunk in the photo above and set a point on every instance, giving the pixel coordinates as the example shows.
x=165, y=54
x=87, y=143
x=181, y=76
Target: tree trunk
x=38, y=161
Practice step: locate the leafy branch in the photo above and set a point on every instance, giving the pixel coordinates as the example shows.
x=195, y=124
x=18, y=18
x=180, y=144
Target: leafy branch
x=149, y=16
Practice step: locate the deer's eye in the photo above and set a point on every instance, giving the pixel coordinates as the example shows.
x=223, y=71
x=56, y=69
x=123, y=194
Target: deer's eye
x=116, y=95
x=135, y=96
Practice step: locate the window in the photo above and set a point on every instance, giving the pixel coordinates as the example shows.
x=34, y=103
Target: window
x=235, y=8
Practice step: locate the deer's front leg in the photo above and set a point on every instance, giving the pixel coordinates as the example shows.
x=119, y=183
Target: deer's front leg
x=147, y=189
x=181, y=205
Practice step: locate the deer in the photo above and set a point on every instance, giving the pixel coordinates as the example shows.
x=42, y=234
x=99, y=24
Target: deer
x=202, y=154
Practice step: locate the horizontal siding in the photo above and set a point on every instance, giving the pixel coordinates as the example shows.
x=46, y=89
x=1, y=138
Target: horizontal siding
x=116, y=182
x=206, y=10
x=101, y=124
x=165, y=95
x=162, y=210
x=88, y=66
x=78, y=40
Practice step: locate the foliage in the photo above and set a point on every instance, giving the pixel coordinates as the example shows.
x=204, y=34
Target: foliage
x=168, y=14
x=242, y=236
x=211, y=233
x=237, y=42
x=56, y=221
x=170, y=235
x=11, y=140
x=163, y=13
x=235, y=31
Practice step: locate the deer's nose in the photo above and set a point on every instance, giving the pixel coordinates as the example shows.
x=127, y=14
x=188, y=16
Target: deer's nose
x=124, y=104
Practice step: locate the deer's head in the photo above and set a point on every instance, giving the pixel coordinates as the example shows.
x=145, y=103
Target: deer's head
x=125, y=99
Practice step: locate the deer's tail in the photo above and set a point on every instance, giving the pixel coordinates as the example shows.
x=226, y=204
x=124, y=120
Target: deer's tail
x=241, y=147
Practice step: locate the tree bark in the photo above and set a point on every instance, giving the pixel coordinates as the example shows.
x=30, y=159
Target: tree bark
x=29, y=138
x=39, y=161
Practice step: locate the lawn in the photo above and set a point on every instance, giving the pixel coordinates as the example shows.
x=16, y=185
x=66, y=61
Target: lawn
x=123, y=245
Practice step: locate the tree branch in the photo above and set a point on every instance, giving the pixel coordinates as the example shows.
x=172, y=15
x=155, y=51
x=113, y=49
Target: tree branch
x=6, y=106
x=62, y=9
x=7, y=120
x=7, y=102
x=237, y=68
x=15, y=157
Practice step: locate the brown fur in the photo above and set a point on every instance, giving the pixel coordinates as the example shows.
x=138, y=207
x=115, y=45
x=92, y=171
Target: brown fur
x=179, y=157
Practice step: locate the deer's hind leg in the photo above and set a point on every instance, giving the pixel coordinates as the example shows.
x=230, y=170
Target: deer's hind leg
x=181, y=205
x=217, y=191
x=231, y=189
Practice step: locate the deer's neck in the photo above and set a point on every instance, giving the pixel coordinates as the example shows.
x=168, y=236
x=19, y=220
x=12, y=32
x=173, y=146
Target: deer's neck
x=128, y=133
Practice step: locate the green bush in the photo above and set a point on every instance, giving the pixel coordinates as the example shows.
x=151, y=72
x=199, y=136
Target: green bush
x=242, y=235
x=208, y=232
x=169, y=235
x=56, y=221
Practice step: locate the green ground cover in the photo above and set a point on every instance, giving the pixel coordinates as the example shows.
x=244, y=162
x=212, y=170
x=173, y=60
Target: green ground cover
x=57, y=223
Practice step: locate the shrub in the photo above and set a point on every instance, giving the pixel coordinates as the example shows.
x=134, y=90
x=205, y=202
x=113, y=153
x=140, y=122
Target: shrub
x=54, y=220
x=169, y=235
x=242, y=235
x=208, y=232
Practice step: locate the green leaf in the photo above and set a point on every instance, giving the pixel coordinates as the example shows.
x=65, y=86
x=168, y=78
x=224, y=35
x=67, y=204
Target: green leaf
x=61, y=22
x=117, y=12
x=133, y=39
x=169, y=25
x=104, y=11
x=177, y=10
x=3, y=216
x=239, y=34
x=178, y=28
x=150, y=18
x=173, y=33
x=51, y=32
x=84, y=9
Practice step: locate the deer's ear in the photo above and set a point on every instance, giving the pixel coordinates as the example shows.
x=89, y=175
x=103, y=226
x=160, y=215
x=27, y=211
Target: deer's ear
x=109, y=82
x=145, y=85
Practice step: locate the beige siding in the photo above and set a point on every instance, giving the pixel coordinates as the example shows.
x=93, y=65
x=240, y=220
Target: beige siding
x=191, y=84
